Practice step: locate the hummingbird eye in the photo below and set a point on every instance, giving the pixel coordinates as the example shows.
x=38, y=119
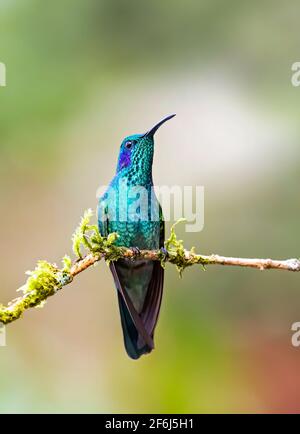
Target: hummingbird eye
x=129, y=144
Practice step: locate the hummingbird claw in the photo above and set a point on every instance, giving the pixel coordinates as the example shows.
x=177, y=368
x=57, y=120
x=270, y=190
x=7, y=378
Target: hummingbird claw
x=164, y=251
x=136, y=251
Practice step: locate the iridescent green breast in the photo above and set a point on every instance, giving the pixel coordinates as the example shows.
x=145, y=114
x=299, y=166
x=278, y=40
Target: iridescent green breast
x=138, y=223
x=144, y=235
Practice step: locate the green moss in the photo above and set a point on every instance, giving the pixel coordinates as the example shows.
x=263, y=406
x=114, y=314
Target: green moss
x=175, y=249
x=43, y=282
x=67, y=261
x=88, y=239
x=46, y=279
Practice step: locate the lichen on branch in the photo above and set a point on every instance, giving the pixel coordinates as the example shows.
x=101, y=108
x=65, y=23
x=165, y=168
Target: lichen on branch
x=46, y=279
x=90, y=247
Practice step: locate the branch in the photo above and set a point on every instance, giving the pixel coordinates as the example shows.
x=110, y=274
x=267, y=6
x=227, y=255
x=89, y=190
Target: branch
x=47, y=279
x=191, y=258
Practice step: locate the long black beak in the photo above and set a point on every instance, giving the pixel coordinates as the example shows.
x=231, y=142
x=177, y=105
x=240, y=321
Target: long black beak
x=155, y=128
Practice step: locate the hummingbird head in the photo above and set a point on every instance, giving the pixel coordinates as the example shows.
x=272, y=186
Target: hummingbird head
x=136, y=152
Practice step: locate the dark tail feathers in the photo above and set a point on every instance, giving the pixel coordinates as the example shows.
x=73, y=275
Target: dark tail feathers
x=130, y=333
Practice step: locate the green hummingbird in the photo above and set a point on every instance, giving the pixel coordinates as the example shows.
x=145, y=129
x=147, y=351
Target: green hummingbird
x=130, y=207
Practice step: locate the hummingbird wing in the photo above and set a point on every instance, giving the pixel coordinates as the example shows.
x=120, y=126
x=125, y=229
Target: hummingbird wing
x=152, y=303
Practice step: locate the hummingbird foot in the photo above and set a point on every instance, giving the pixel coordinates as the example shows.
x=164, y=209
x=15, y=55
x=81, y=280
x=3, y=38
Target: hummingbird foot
x=165, y=252
x=136, y=251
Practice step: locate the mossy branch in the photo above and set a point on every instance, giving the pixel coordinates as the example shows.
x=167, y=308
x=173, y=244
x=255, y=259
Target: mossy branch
x=47, y=279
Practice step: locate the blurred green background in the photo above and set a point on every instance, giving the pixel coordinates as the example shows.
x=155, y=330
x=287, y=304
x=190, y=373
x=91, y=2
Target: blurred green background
x=80, y=76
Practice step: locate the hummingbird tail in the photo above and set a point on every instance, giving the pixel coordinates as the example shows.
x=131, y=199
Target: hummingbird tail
x=138, y=327
x=130, y=333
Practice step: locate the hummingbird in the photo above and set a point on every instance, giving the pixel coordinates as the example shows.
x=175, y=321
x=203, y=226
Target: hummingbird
x=130, y=207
